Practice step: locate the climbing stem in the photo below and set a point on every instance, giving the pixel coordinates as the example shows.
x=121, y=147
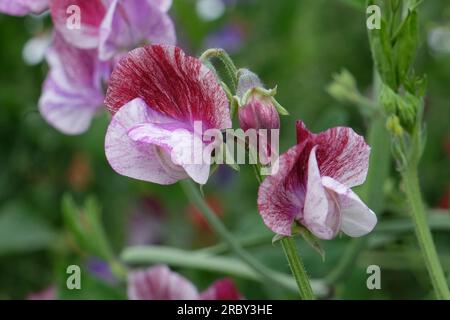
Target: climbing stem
x=423, y=233
x=297, y=268
x=226, y=60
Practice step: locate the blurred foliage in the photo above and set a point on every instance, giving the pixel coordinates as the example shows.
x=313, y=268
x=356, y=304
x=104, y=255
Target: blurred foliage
x=297, y=45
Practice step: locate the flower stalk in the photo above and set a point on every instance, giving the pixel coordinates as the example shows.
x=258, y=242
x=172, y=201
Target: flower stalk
x=297, y=268
x=223, y=56
x=423, y=234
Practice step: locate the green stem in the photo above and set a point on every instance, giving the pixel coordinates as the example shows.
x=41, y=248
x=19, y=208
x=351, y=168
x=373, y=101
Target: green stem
x=423, y=234
x=226, y=60
x=191, y=191
x=297, y=268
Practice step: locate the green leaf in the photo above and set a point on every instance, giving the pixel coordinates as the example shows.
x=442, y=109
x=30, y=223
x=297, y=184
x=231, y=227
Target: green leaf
x=85, y=227
x=20, y=231
x=406, y=42
x=382, y=53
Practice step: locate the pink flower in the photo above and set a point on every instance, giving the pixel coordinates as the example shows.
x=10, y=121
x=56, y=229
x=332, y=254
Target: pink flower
x=72, y=92
x=49, y=293
x=156, y=93
x=258, y=113
x=91, y=14
x=313, y=185
x=160, y=283
x=81, y=59
x=114, y=26
x=131, y=22
x=23, y=7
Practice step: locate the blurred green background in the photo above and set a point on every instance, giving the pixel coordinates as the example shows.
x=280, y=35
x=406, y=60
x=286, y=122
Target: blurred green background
x=295, y=44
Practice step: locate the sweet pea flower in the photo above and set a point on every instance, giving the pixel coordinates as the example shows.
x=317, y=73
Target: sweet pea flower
x=89, y=15
x=23, y=7
x=312, y=186
x=129, y=23
x=114, y=26
x=156, y=95
x=72, y=93
x=160, y=283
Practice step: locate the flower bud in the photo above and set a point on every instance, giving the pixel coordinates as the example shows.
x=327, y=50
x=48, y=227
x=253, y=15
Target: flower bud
x=247, y=81
x=258, y=113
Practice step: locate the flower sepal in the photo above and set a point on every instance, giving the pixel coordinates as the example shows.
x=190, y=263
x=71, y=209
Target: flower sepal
x=311, y=240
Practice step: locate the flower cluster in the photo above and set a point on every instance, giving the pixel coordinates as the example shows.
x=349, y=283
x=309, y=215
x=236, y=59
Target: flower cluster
x=82, y=56
x=157, y=95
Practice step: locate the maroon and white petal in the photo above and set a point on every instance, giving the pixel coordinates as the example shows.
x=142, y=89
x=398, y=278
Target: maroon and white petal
x=149, y=25
x=281, y=196
x=91, y=15
x=343, y=155
x=23, y=7
x=223, y=289
x=72, y=93
x=357, y=218
x=133, y=156
x=321, y=214
x=303, y=134
x=180, y=145
x=171, y=83
x=160, y=283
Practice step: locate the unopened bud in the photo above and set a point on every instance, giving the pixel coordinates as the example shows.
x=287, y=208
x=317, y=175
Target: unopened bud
x=247, y=81
x=259, y=113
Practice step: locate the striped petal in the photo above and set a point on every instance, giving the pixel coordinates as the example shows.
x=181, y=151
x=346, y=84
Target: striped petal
x=171, y=83
x=281, y=196
x=341, y=154
x=90, y=13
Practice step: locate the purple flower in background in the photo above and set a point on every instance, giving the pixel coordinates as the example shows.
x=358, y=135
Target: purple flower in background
x=115, y=26
x=101, y=270
x=229, y=38
x=23, y=7
x=133, y=22
x=72, y=93
x=91, y=14
x=160, y=283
